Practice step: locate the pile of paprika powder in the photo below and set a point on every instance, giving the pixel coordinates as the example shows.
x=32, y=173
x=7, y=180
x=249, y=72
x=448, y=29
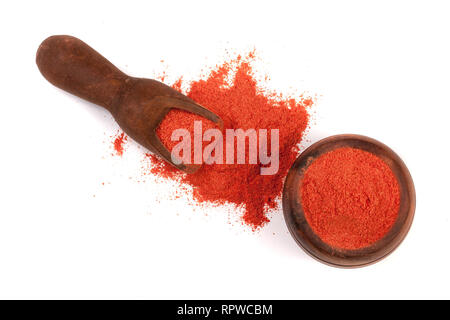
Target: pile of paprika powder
x=232, y=92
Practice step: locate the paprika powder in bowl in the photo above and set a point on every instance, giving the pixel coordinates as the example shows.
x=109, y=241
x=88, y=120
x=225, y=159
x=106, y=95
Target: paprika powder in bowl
x=348, y=200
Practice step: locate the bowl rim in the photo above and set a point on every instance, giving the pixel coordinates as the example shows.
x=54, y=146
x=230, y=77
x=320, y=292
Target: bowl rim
x=310, y=242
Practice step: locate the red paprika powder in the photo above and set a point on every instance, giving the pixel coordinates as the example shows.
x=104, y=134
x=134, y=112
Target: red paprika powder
x=350, y=198
x=232, y=92
x=119, y=142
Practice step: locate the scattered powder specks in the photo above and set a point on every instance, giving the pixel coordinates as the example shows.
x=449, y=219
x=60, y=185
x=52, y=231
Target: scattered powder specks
x=119, y=142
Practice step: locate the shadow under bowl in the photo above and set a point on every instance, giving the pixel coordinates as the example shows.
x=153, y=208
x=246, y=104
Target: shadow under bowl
x=307, y=239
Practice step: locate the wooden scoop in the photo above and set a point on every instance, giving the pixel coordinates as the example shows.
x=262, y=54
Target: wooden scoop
x=137, y=104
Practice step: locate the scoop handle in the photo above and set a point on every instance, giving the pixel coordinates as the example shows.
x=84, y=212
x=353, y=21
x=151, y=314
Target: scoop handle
x=72, y=65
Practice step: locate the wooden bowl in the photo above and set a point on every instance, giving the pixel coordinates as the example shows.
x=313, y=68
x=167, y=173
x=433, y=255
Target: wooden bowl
x=305, y=236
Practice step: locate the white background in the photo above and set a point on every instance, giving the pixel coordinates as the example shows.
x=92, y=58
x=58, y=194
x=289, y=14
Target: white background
x=380, y=68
